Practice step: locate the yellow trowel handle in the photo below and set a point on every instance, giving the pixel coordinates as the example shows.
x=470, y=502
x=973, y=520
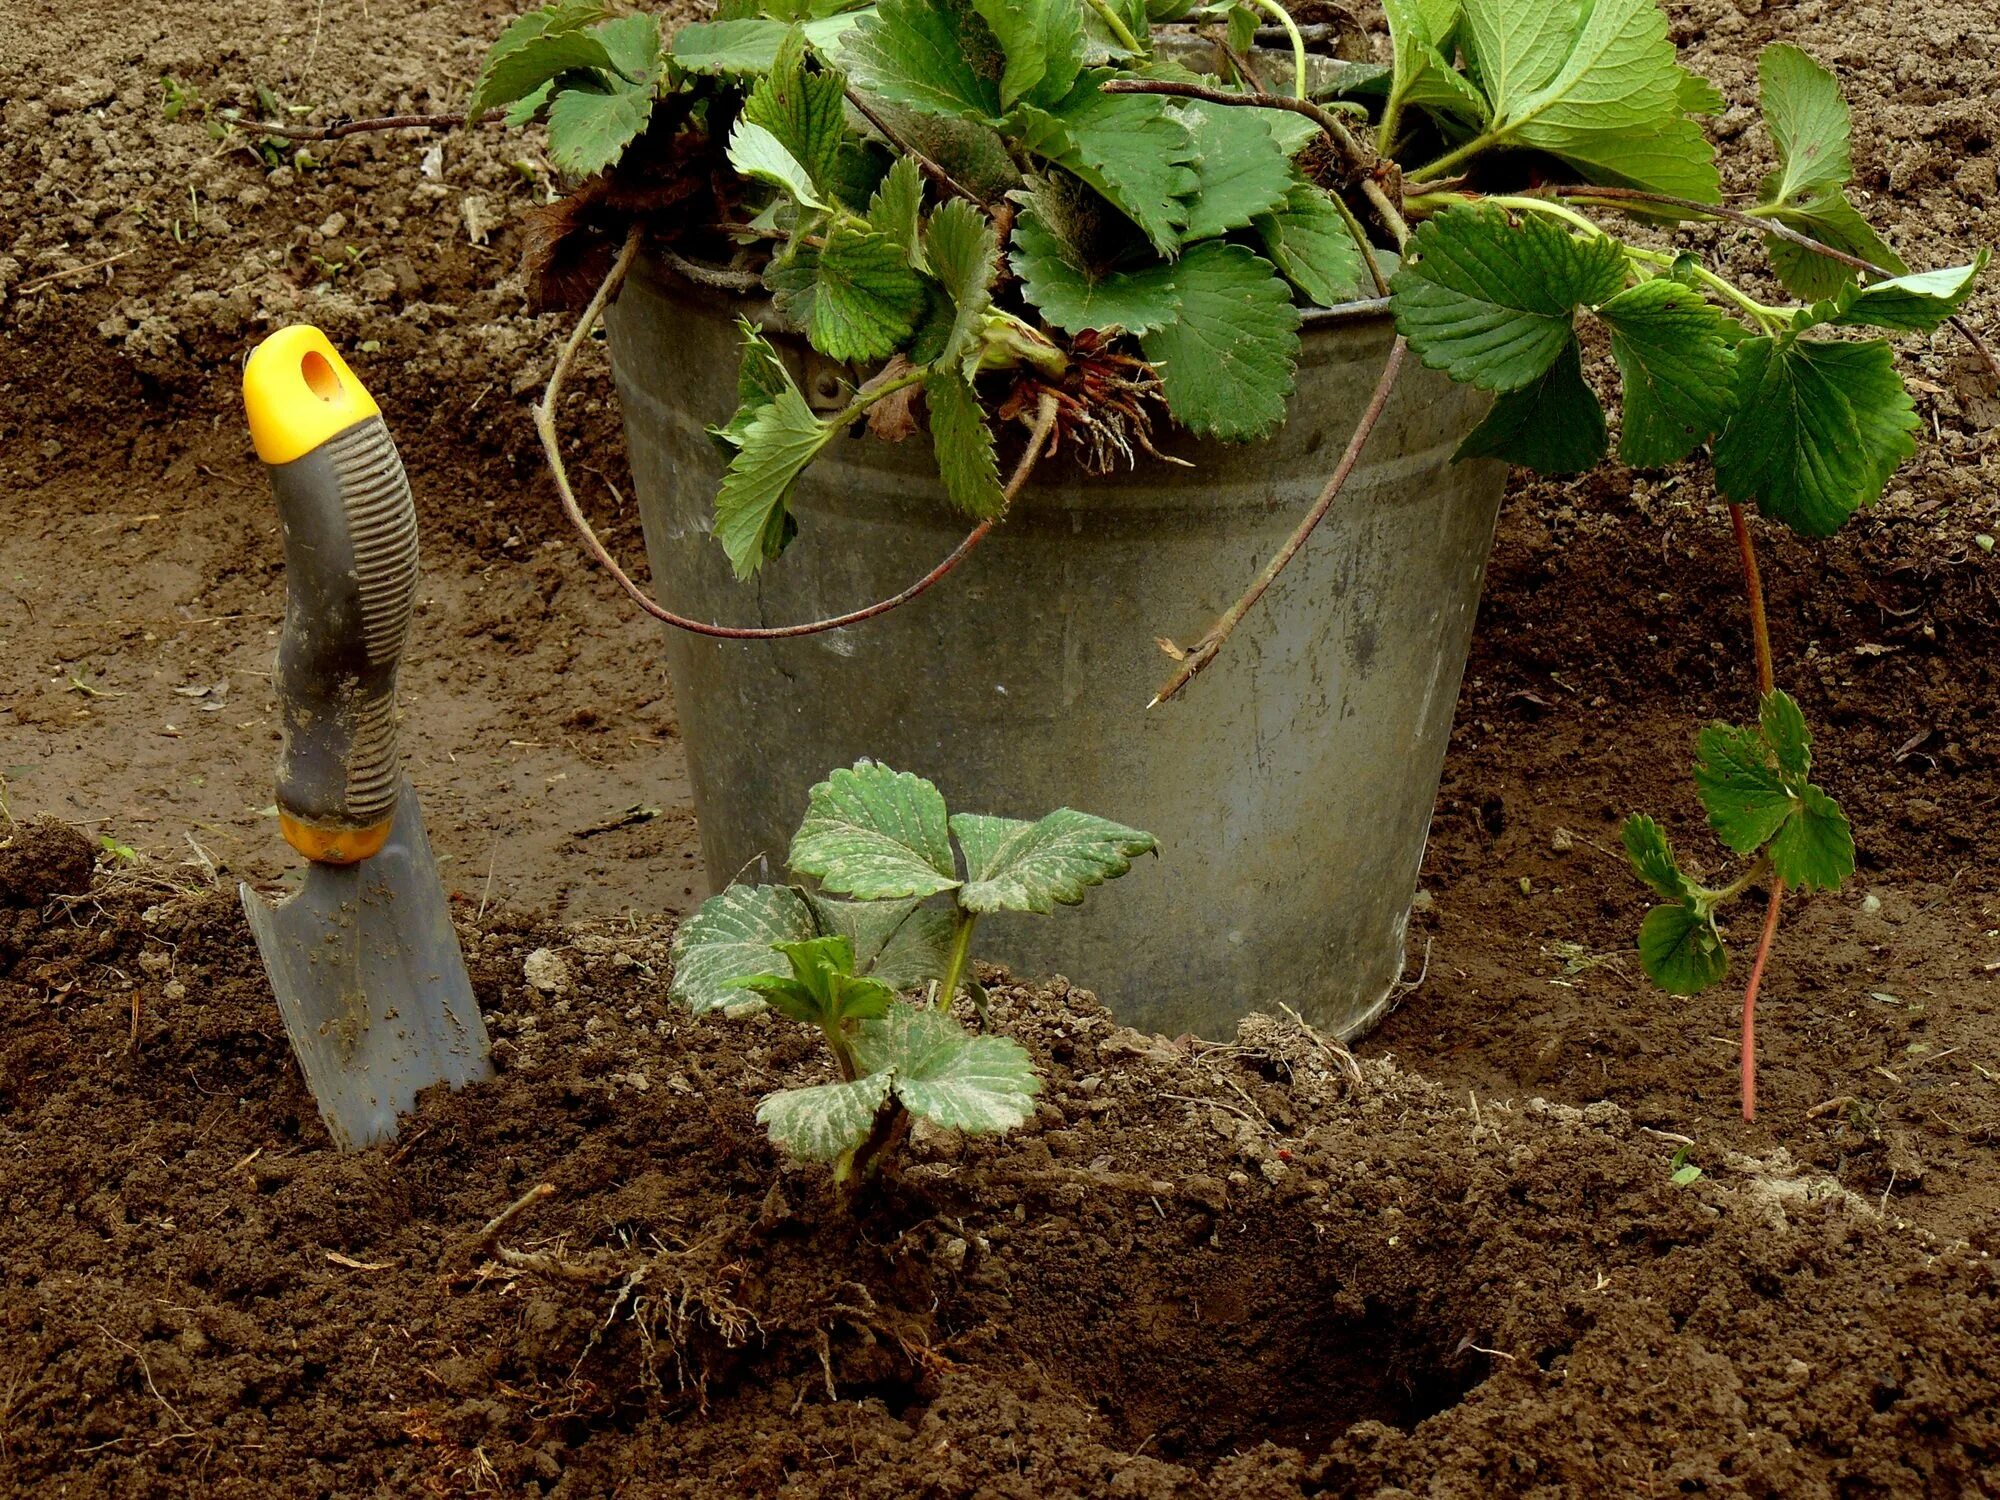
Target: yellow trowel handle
x=350, y=534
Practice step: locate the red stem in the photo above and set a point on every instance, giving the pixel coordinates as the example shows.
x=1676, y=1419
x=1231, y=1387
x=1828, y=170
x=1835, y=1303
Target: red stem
x=1750, y=1000
x=1760, y=631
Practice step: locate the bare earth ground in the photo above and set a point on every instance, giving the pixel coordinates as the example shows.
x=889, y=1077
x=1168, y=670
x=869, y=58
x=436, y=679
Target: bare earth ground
x=146, y=1269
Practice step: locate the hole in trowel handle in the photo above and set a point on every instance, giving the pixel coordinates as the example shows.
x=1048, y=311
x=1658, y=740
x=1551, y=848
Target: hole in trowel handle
x=319, y=375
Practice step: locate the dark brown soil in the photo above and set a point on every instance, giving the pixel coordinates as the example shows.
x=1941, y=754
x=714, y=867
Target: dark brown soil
x=1228, y=1271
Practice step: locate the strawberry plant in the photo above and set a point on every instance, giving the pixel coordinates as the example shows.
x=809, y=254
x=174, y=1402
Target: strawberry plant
x=883, y=839
x=1042, y=214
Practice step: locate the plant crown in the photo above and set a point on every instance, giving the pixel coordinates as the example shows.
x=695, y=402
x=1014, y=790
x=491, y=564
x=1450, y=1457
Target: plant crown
x=883, y=839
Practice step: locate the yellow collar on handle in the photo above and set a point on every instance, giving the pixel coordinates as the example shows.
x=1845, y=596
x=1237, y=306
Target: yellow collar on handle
x=298, y=392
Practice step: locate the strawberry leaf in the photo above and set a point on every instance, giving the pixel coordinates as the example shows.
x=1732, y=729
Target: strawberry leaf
x=805, y=112
x=1653, y=860
x=876, y=833
x=964, y=445
x=1073, y=299
x=1133, y=148
x=1241, y=170
x=1915, y=303
x=925, y=55
x=1011, y=865
x=1494, y=302
x=753, y=521
x=864, y=300
x=1226, y=361
x=1308, y=240
x=535, y=49
x=1672, y=350
x=982, y=1085
x=1753, y=783
x=1553, y=425
x=1819, y=428
x=732, y=936
x=964, y=257
x=822, y=1123
x=1681, y=950
x=1043, y=43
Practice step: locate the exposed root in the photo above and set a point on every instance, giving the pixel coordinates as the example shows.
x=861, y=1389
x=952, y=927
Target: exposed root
x=1106, y=402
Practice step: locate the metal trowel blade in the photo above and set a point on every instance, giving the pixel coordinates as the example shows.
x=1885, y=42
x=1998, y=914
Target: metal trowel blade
x=371, y=983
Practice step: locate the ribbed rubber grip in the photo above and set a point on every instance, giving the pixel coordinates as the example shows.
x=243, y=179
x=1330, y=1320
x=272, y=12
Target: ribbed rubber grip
x=350, y=532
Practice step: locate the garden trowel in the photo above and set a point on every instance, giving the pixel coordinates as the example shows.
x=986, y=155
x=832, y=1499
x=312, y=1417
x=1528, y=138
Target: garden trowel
x=363, y=958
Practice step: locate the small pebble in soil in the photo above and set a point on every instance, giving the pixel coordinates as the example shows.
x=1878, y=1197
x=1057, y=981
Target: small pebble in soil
x=545, y=970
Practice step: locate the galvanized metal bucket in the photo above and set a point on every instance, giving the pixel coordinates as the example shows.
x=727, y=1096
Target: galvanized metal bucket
x=1290, y=786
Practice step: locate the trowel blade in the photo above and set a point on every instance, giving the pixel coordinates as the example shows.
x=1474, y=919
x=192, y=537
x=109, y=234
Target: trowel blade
x=371, y=983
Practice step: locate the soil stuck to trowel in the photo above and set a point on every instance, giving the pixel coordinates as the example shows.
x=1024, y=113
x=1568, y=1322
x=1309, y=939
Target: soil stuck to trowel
x=1242, y=1270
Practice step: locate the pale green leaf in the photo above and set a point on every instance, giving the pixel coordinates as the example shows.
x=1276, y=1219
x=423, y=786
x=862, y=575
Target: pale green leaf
x=1667, y=155
x=982, y=1085
x=894, y=942
x=1241, y=170
x=589, y=131
x=1136, y=300
x=1681, y=950
x=1493, y=302
x=634, y=44
x=896, y=206
x=1132, y=148
x=748, y=45
x=819, y=1124
x=1916, y=303
x=1834, y=222
x=759, y=377
x=752, y=518
x=1226, y=361
x=1043, y=42
x=732, y=936
x=1819, y=428
x=535, y=49
x=964, y=256
x=1678, y=368
x=804, y=111
x=1516, y=46
x=1012, y=865
x=1809, y=126
x=963, y=444
x=1784, y=729
x=1422, y=75
x=1554, y=424
x=924, y=55
x=757, y=153
x=1308, y=240
x=876, y=833
x=865, y=298
x=1653, y=860
x=1698, y=96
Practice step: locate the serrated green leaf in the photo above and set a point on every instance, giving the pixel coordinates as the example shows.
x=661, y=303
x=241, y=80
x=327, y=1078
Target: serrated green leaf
x=532, y=51
x=1553, y=425
x=964, y=445
x=1815, y=848
x=1226, y=362
x=820, y=1124
x=865, y=298
x=589, y=131
x=1012, y=865
x=1309, y=242
x=1697, y=96
x=1422, y=75
x=759, y=377
x=1494, y=302
x=823, y=989
x=1819, y=428
x=1676, y=360
x=877, y=834
x=1915, y=303
x=804, y=111
x=1240, y=170
x=982, y=1085
x=1516, y=46
x=748, y=45
x=758, y=154
x=1668, y=155
x=634, y=44
x=1681, y=951
x=1043, y=43
x=1653, y=860
x=1746, y=800
x=893, y=941
x=529, y=107
x=925, y=55
x=964, y=256
x=1132, y=148
x=1136, y=300
x=752, y=517
x=732, y=936
x=1808, y=122
x=895, y=208
x=1683, y=1176
x=1834, y=222
x=1784, y=729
